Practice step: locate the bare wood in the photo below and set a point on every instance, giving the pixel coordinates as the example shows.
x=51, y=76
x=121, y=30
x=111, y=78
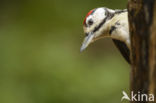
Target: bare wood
x=152, y=57
x=142, y=23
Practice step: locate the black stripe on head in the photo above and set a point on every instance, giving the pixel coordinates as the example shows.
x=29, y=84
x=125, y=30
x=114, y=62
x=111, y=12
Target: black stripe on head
x=100, y=25
x=108, y=15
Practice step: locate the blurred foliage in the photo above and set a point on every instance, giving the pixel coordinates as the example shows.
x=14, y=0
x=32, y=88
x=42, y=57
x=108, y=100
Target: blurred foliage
x=40, y=60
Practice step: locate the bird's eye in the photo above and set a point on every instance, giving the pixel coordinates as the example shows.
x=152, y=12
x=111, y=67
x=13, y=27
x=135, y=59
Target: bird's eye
x=90, y=22
x=86, y=34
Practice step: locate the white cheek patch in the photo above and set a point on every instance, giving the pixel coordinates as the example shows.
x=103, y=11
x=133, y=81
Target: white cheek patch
x=97, y=17
x=99, y=14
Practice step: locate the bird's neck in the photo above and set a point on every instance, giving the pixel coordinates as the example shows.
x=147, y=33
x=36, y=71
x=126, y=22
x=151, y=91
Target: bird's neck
x=117, y=28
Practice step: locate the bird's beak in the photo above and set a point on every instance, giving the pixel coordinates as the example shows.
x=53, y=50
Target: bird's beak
x=88, y=39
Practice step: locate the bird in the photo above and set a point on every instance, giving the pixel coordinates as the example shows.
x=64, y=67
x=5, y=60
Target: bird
x=104, y=22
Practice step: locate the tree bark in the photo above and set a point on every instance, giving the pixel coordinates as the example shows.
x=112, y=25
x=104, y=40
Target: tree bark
x=142, y=24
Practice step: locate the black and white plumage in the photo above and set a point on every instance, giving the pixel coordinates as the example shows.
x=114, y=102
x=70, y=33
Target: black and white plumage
x=103, y=22
x=123, y=49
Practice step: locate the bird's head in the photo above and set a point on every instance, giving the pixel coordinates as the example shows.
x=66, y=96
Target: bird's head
x=95, y=25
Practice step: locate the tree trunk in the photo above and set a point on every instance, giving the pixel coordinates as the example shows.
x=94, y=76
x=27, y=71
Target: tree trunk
x=142, y=24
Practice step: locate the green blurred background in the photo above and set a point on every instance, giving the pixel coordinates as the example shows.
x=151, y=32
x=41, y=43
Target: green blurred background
x=40, y=60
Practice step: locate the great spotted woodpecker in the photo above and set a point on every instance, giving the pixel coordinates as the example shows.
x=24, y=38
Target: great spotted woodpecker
x=104, y=22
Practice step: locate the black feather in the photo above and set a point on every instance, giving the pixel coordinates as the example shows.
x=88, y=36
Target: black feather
x=123, y=49
x=112, y=29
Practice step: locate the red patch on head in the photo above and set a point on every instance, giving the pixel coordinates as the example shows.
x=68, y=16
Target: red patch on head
x=87, y=16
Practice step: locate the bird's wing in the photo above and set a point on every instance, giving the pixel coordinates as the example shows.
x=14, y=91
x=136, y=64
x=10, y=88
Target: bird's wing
x=123, y=49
